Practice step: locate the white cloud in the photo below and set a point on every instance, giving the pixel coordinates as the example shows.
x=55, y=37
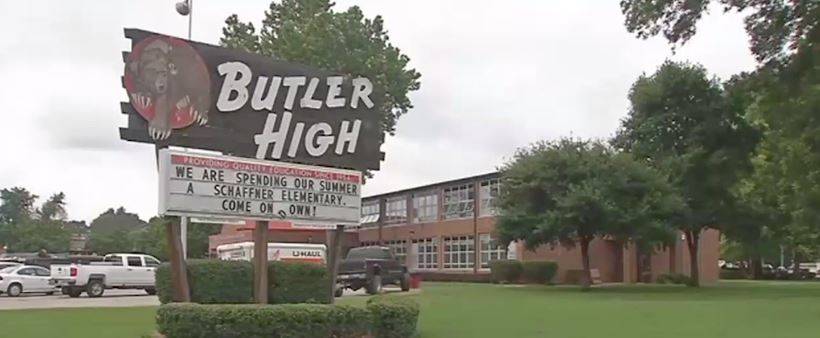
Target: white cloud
x=494, y=77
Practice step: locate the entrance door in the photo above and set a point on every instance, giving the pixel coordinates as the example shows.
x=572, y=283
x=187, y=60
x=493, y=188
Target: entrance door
x=644, y=266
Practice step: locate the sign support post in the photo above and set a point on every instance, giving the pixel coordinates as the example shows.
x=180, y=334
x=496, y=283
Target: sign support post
x=183, y=234
x=335, y=251
x=179, y=273
x=260, y=262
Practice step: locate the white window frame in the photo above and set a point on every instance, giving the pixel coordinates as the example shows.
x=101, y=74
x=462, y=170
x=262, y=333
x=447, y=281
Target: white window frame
x=425, y=207
x=395, y=210
x=489, y=191
x=427, y=253
x=459, y=253
x=399, y=249
x=459, y=201
x=370, y=215
x=490, y=250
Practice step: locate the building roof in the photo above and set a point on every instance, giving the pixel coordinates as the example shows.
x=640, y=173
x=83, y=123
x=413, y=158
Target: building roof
x=442, y=184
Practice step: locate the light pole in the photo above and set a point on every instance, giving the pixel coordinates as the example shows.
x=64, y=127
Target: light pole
x=185, y=8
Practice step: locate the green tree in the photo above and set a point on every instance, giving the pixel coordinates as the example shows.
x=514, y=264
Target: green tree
x=16, y=205
x=311, y=32
x=776, y=28
x=36, y=235
x=53, y=208
x=109, y=232
x=682, y=122
x=24, y=228
x=570, y=192
x=152, y=239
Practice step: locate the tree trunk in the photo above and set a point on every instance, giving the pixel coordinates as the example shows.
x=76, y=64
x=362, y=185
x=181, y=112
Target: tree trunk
x=694, y=268
x=757, y=266
x=586, y=276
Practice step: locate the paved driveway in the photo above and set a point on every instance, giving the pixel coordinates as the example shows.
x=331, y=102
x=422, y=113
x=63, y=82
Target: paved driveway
x=111, y=298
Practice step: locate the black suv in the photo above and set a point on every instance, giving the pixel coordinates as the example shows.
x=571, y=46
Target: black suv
x=370, y=267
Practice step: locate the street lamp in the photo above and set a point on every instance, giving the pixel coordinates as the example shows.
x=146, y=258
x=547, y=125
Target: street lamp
x=185, y=8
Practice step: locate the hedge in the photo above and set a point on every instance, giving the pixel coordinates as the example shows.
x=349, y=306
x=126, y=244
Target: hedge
x=231, y=282
x=293, y=282
x=393, y=317
x=388, y=317
x=505, y=271
x=540, y=272
x=211, y=281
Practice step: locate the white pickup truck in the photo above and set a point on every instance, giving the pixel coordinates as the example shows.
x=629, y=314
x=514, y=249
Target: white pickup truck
x=116, y=271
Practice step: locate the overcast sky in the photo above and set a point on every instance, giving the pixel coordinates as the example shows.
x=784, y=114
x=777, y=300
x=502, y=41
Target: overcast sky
x=495, y=76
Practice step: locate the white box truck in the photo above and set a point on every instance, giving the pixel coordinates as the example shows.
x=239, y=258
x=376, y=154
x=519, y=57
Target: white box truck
x=301, y=252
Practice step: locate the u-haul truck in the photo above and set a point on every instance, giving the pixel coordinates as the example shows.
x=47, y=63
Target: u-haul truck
x=302, y=252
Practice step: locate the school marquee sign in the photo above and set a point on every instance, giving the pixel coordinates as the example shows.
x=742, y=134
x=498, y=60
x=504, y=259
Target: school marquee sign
x=195, y=95
x=192, y=184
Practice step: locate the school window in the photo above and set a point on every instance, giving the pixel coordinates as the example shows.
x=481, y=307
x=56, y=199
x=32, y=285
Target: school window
x=370, y=215
x=459, y=252
x=426, y=253
x=425, y=207
x=396, y=210
x=490, y=250
x=459, y=201
x=399, y=249
x=489, y=191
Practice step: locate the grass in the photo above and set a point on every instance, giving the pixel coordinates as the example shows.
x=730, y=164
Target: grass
x=732, y=309
x=78, y=323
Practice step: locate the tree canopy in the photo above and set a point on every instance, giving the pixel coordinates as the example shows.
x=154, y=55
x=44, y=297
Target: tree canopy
x=311, y=32
x=571, y=191
x=682, y=122
x=775, y=27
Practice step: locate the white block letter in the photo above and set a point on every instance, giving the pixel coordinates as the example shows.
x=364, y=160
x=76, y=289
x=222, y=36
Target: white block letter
x=269, y=136
x=237, y=77
x=308, y=101
x=294, y=141
x=351, y=137
x=362, y=88
x=260, y=103
x=334, y=88
x=321, y=143
x=293, y=83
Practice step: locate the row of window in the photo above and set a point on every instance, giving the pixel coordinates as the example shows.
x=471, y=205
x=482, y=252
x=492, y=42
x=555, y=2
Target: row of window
x=458, y=202
x=458, y=252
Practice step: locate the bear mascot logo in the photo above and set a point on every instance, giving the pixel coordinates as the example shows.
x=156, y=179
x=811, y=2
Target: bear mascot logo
x=168, y=84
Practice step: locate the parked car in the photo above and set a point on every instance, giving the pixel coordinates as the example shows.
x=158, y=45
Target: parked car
x=116, y=271
x=371, y=267
x=4, y=265
x=18, y=279
x=811, y=268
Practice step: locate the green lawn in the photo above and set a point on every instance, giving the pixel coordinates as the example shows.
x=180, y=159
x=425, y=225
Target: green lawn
x=733, y=309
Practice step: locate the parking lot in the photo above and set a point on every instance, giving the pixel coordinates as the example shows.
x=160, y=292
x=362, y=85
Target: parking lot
x=111, y=298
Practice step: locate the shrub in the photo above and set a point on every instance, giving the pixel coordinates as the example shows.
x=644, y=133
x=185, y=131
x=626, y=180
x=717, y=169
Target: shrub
x=383, y=317
x=505, y=271
x=732, y=274
x=297, y=282
x=211, y=281
x=674, y=278
x=540, y=272
x=285, y=320
x=393, y=317
x=231, y=282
